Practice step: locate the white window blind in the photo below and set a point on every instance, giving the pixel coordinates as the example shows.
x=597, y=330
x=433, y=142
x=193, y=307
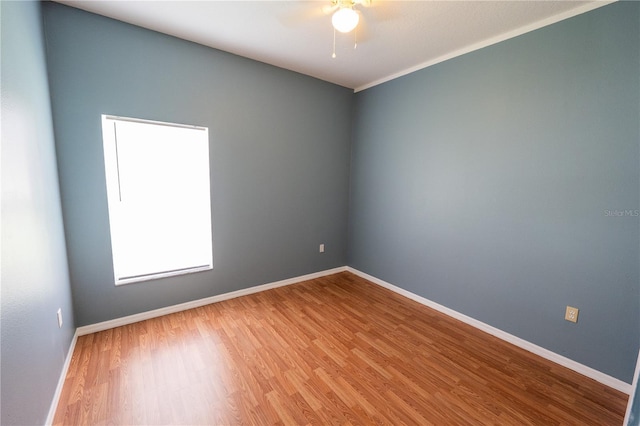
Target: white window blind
x=159, y=199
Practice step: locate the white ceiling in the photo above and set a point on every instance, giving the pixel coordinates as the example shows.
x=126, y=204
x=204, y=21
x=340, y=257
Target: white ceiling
x=396, y=37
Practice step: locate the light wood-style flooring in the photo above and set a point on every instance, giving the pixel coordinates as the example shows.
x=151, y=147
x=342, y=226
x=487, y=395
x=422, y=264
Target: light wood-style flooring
x=334, y=350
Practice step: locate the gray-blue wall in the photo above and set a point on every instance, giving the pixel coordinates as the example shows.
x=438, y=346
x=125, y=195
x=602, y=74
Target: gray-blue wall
x=34, y=275
x=279, y=150
x=493, y=183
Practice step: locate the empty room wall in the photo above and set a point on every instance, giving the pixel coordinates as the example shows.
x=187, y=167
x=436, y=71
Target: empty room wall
x=279, y=157
x=504, y=184
x=34, y=277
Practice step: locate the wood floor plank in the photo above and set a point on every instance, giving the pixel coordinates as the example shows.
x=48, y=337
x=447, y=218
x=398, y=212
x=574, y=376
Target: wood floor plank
x=334, y=350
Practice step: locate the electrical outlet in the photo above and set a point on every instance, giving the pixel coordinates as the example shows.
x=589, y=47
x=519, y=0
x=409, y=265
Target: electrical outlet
x=321, y=248
x=59, y=317
x=571, y=314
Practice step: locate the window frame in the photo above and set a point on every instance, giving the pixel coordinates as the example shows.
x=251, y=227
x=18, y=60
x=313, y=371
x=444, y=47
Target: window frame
x=114, y=200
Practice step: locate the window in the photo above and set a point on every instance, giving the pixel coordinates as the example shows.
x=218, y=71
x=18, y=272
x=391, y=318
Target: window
x=159, y=199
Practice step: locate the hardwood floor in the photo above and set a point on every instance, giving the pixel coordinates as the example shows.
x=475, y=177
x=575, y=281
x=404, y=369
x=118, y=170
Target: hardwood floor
x=335, y=350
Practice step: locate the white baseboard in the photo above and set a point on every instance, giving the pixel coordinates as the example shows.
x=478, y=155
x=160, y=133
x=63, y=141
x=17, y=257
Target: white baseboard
x=633, y=395
x=106, y=325
x=538, y=350
x=63, y=376
x=531, y=347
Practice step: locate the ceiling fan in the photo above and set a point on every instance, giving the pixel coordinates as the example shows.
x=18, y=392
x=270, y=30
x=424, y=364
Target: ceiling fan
x=345, y=17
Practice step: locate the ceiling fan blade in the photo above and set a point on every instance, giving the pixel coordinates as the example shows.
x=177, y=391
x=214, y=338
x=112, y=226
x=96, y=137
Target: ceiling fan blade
x=365, y=3
x=329, y=8
x=380, y=10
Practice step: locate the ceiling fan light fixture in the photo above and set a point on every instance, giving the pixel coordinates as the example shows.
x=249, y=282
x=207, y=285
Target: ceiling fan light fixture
x=345, y=19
